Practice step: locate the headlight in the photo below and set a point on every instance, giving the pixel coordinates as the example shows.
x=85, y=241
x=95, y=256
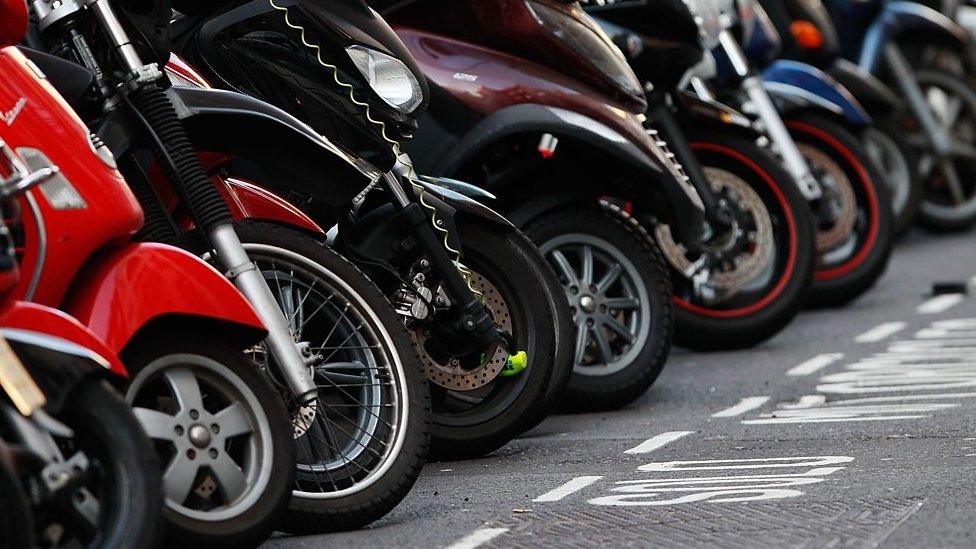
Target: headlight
x=709, y=16
x=389, y=77
x=591, y=43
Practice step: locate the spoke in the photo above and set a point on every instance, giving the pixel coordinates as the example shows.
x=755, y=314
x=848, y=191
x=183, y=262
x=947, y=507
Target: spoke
x=602, y=344
x=613, y=273
x=963, y=149
x=355, y=332
x=230, y=477
x=233, y=421
x=349, y=396
x=616, y=326
x=621, y=303
x=185, y=387
x=582, y=336
x=953, y=182
x=952, y=110
x=178, y=478
x=157, y=425
x=586, y=277
x=345, y=380
x=564, y=267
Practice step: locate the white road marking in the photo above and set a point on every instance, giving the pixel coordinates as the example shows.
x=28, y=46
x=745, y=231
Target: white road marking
x=477, y=538
x=657, y=441
x=939, y=303
x=814, y=364
x=574, y=485
x=744, y=405
x=879, y=332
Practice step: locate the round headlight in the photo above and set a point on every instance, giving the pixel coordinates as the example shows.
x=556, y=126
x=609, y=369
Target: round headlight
x=389, y=77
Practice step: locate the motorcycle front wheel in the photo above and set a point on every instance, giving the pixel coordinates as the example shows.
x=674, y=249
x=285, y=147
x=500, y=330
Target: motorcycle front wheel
x=854, y=245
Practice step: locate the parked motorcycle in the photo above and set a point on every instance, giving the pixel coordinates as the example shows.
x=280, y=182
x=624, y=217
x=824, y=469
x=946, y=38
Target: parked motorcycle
x=852, y=211
x=929, y=59
x=338, y=357
x=809, y=36
x=532, y=102
x=484, y=310
x=221, y=433
x=754, y=274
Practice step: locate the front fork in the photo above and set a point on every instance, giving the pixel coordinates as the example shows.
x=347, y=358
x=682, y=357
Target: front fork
x=901, y=69
x=230, y=252
x=779, y=135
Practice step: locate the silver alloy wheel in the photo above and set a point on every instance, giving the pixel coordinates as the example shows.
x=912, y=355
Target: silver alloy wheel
x=958, y=117
x=609, y=301
x=220, y=434
x=893, y=164
x=373, y=384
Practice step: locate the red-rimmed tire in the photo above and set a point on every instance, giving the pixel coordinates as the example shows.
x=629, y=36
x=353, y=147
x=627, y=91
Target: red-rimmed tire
x=853, y=248
x=768, y=278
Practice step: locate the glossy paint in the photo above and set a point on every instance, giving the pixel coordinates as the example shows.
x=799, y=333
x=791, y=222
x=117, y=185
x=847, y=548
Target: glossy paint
x=24, y=315
x=13, y=21
x=805, y=81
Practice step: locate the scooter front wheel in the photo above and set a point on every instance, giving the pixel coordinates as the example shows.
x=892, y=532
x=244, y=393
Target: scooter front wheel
x=853, y=218
x=760, y=275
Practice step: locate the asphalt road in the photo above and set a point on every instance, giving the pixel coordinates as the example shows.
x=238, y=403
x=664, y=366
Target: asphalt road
x=854, y=427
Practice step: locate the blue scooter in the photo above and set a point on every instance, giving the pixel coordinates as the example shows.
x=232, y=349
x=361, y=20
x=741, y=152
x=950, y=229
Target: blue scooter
x=925, y=55
x=806, y=115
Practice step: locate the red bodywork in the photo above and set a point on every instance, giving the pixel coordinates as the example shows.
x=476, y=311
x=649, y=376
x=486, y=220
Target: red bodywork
x=79, y=257
x=13, y=21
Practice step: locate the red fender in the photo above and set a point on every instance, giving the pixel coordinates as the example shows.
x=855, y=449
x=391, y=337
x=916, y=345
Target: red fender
x=122, y=291
x=24, y=315
x=249, y=201
x=13, y=21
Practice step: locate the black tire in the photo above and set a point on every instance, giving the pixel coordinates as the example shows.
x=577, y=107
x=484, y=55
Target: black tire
x=776, y=293
x=885, y=143
x=934, y=213
x=314, y=515
x=16, y=520
x=839, y=283
x=610, y=228
x=126, y=471
x=506, y=406
x=221, y=366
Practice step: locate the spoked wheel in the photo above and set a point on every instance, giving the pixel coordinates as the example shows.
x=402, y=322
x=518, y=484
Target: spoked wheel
x=362, y=441
x=754, y=280
x=898, y=164
x=853, y=218
x=620, y=298
x=217, y=427
x=949, y=199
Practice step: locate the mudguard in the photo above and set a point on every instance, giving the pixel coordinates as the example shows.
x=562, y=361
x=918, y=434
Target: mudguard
x=873, y=94
x=797, y=85
x=461, y=196
x=249, y=201
x=231, y=123
x=137, y=284
x=899, y=17
x=528, y=117
x=25, y=316
x=708, y=113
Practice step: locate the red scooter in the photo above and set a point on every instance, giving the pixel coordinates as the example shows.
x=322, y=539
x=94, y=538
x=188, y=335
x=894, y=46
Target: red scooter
x=222, y=434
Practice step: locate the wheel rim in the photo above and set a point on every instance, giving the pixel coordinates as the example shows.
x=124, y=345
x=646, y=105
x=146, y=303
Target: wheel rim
x=211, y=431
x=950, y=184
x=888, y=156
x=609, y=302
x=348, y=437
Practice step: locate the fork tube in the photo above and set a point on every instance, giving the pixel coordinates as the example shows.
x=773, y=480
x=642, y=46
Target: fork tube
x=902, y=71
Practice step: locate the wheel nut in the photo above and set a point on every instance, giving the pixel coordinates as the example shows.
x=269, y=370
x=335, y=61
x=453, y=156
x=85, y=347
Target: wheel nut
x=215, y=429
x=179, y=430
x=589, y=322
x=191, y=453
x=213, y=453
x=194, y=414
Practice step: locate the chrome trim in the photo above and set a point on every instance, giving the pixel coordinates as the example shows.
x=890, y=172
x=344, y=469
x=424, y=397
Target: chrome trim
x=41, y=246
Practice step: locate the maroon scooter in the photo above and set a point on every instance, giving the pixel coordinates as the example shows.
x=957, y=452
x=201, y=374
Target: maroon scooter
x=533, y=102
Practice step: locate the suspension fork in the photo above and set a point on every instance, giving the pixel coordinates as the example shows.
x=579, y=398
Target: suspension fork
x=901, y=69
x=473, y=319
x=752, y=84
x=223, y=237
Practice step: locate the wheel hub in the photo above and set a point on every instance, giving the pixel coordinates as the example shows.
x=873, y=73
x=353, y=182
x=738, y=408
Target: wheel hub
x=842, y=202
x=588, y=303
x=199, y=436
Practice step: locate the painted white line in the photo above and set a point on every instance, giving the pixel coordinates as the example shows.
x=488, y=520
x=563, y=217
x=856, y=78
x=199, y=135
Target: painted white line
x=939, y=303
x=657, y=441
x=814, y=364
x=879, y=332
x=477, y=538
x=574, y=485
x=744, y=405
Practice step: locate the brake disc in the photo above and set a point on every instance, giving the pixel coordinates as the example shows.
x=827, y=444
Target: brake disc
x=731, y=276
x=448, y=373
x=840, y=189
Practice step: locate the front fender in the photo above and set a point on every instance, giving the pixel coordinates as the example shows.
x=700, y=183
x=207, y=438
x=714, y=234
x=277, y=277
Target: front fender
x=249, y=201
x=798, y=85
x=231, y=123
x=462, y=196
x=647, y=157
x=127, y=289
x=900, y=17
